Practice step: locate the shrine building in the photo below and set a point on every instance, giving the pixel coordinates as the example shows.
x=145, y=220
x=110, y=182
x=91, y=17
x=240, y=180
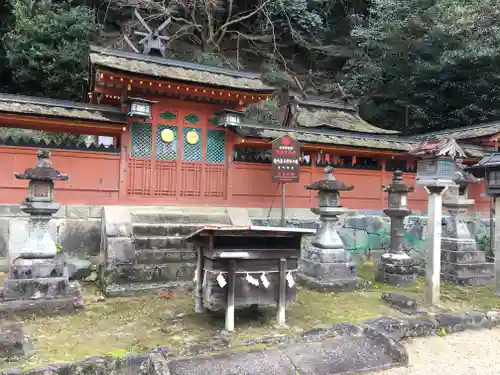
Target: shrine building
x=176, y=133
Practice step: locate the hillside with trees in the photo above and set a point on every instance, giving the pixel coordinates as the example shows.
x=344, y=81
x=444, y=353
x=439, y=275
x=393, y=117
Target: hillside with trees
x=413, y=66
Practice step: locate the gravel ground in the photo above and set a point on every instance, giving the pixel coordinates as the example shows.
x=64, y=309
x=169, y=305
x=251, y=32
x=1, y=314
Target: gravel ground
x=465, y=353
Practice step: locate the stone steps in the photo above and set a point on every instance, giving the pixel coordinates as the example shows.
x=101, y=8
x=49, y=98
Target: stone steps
x=161, y=243
x=155, y=229
x=162, y=256
x=159, y=256
x=153, y=273
x=180, y=218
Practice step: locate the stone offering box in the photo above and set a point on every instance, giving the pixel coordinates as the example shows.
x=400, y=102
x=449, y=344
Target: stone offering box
x=244, y=266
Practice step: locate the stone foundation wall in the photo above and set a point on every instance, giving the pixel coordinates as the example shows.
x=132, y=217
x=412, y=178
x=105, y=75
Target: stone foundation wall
x=75, y=229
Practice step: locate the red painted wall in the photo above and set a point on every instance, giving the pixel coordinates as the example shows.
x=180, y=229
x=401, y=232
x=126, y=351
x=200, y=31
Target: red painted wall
x=95, y=179
x=94, y=176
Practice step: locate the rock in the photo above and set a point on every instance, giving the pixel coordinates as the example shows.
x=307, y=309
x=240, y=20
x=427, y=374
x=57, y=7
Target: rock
x=78, y=269
x=13, y=344
x=405, y=304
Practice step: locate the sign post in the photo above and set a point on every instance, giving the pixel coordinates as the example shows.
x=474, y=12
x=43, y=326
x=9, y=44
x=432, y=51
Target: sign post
x=286, y=166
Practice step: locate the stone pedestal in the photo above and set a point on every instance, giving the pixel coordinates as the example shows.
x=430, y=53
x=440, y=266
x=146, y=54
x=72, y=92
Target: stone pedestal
x=326, y=265
x=461, y=260
x=396, y=269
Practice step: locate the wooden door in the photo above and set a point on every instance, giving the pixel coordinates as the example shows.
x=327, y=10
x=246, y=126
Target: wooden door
x=179, y=156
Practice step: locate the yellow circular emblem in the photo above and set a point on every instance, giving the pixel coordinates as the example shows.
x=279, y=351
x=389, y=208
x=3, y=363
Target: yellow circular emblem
x=167, y=135
x=192, y=137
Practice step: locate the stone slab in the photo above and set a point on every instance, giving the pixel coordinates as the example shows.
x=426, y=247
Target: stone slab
x=41, y=307
x=341, y=285
x=347, y=354
x=134, y=289
x=270, y=362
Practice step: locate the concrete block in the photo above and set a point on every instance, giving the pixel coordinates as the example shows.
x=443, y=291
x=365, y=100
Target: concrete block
x=96, y=212
x=120, y=250
x=18, y=235
x=78, y=212
x=4, y=237
x=118, y=229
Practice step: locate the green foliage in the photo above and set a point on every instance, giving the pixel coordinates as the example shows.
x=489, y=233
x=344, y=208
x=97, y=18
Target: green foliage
x=47, y=48
x=435, y=61
x=296, y=18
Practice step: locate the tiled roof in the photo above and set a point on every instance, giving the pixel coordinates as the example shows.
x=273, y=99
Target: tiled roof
x=350, y=139
x=328, y=137
x=468, y=132
x=335, y=114
x=176, y=70
x=58, y=108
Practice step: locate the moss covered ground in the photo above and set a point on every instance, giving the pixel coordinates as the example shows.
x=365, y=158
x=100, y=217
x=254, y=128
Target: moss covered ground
x=121, y=326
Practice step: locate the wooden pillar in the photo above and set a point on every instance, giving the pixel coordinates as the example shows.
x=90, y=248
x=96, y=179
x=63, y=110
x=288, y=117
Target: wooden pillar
x=123, y=175
x=231, y=288
x=229, y=165
x=496, y=240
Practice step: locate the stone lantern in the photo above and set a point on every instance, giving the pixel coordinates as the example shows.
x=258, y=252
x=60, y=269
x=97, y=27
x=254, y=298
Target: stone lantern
x=38, y=280
x=436, y=172
x=462, y=261
x=326, y=264
x=395, y=266
x=40, y=206
x=489, y=167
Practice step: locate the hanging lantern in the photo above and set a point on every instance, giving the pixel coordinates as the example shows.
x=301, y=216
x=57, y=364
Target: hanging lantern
x=138, y=107
x=229, y=117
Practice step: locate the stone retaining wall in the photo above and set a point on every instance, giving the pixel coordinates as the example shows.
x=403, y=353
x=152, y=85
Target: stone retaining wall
x=76, y=229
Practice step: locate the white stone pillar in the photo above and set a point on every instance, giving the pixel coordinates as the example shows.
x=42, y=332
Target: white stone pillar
x=433, y=264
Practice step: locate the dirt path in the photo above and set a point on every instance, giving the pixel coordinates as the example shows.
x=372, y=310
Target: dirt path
x=466, y=353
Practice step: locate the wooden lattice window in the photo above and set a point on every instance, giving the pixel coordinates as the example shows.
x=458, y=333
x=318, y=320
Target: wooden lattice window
x=142, y=143
x=166, y=150
x=191, y=151
x=216, y=146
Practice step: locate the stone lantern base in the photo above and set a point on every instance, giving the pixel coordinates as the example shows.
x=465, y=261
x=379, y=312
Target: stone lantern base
x=396, y=269
x=327, y=270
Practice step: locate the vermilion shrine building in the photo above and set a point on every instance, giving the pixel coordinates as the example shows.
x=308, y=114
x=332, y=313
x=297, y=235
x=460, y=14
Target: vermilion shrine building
x=186, y=153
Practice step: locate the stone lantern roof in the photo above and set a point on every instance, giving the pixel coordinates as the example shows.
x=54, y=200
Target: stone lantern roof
x=329, y=183
x=397, y=185
x=43, y=170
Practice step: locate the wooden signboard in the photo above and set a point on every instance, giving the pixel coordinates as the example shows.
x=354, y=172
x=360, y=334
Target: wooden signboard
x=286, y=160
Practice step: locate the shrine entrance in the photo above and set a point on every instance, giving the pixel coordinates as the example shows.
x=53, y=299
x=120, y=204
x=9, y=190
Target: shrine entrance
x=179, y=154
